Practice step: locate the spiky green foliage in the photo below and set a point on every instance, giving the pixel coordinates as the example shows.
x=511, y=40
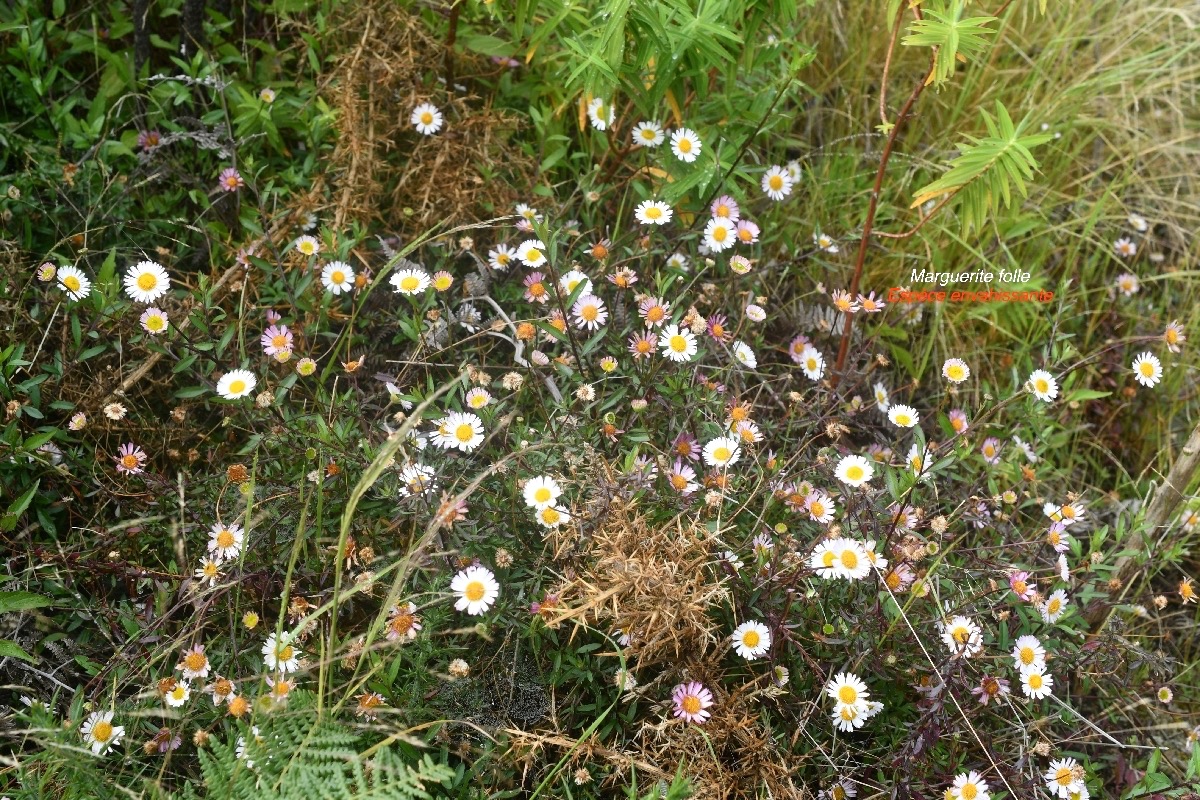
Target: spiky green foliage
x=988, y=170
x=302, y=755
x=952, y=36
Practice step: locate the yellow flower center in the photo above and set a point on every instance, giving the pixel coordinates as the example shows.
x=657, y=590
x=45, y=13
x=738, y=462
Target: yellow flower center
x=222, y=687
x=685, y=145
x=849, y=559
x=837, y=793
x=1064, y=777
x=225, y=538
x=281, y=688
x=956, y=374
x=1026, y=655
x=818, y=509
x=475, y=591
x=648, y=134
x=751, y=638
x=154, y=322
x=828, y=558
x=72, y=283
x=691, y=704
x=745, y=235
x=1172, y=336
x=550, y=515
x=102, y=731
x=426, y=118
x=536, y=289
x=147, y=281
x=855, y=472
x=1020, y=587
x=1041, y=385
x=848, y=695
x=1035, y=681
x=1147, y=369
x=811, y=364
x=534, y=254
x=1054, y=606
x=589, y=313
x=903, y=419
x=211, y=569
x=653, y=212
x=542, y=495
x=464, y=432
x=285, y=653
x=775, y=182
x=892, y=580
x=409, y=283
x=402, y=623
x=178, y=692
x=337, y=277
x=195, y=661
x=279, y=341
x=443, y=282
x=719, y=233
x=129, y=461
x=969, y=791
x=721, y=454
x=678, y=482
x=237, y=387
x=961, y=634
x=678, y=343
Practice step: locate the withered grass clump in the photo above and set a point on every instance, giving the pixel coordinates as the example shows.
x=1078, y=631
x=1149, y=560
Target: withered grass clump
x=381, y=169
x=655, y=584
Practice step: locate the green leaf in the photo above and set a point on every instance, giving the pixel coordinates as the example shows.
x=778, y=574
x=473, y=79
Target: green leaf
x=10, y=649
x=21, y=601
x=951, y=36
x=1085, y=394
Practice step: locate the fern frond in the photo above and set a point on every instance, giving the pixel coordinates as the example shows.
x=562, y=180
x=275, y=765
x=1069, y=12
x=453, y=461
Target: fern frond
x=952, y=36
x=988, y=169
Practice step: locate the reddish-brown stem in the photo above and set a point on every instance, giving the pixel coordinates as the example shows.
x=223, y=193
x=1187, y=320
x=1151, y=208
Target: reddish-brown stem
x=872, y=207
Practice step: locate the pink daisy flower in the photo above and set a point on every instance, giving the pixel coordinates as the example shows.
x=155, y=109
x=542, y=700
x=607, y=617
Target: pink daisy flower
x=686, y=446
x=747, y=232
x=535, y=288
x=130, y=458
x=230, y=180
x=796, y=347
x=691, y=701
x=726, y=206
x=643, y=345
x=1021, y=585
x=276, y=339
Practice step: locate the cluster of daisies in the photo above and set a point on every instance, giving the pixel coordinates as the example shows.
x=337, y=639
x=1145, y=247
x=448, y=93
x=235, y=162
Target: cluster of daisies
x=853, y=705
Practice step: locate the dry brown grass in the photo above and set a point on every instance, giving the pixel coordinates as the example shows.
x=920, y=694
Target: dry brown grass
x=383, y=171
x=655, y=584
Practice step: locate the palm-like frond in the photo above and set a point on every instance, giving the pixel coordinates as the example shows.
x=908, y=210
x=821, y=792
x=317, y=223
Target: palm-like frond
x=987, y=170
x=951, y=35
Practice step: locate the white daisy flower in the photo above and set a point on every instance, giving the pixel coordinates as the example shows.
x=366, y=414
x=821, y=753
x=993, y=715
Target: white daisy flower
x=541, y=491
x=955, y=370
x=500, y=257
x=648, y=134
x=460, y=430
x=653, y=212
x=478, y=398
x=1054, y=606
x=600, y=113
x=308, y=245
x=777, y=183
x=589, y=312
x=572, y=280
x=476, y=588
x=532, y=252
x=280, y=654
x=416, y=479
x=1064, y=777
x=720, y=234
x=337, y=277
x=854, y=470
x=685, y=144
x=1139, y=223
x=99, y=732
x=755, y=313
x=744, y=355
x=146, y=281
x=1125, y=247
x=1036, y=683
x=903, y=416
x=1028, y=652
x=427, y=119
x=410, y=281
x=723, y=451
x=969, y=786
x=552, y=516
x=74, y=283
x=751, y=639
x=178, y=695
x=812, y=362
x=1128, y=284
x=1043, y=385
x=225, y=541
x=1147, y=369
x=678, y=344
x=881, y=397
x=850, y=559
x=963, y=637
x=236, y=383
x=825, y=242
